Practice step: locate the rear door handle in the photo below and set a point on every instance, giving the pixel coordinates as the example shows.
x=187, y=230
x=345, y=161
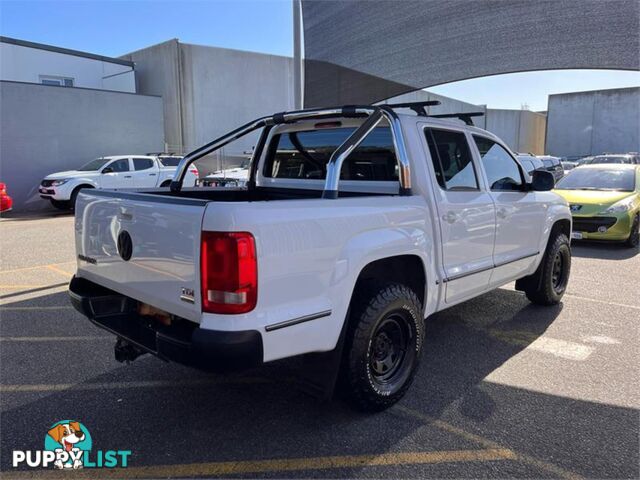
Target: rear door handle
x=450, y=217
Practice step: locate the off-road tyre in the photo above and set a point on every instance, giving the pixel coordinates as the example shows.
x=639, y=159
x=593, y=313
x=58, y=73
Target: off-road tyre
x=384, y=341
x=549, y=283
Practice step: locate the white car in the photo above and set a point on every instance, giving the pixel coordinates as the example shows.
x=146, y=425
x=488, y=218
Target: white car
x=114, y=172
x=230, y=177
x=356, y=224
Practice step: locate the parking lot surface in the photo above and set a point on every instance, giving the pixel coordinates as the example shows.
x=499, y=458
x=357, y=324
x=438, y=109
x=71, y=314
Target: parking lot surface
x=505, y=388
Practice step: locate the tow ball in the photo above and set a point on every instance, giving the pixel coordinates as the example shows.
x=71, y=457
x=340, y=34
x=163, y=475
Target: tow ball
x=126, y=352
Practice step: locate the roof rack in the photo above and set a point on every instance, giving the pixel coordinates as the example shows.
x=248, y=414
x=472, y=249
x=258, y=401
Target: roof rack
x=418, y=107
x=464, y=116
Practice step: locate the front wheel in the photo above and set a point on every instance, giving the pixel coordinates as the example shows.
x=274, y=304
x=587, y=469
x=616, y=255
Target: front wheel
x=634, y=238
x=549, y=283
x=384, y=343
x=59, y=204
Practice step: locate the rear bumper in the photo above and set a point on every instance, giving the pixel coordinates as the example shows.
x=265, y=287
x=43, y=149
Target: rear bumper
x=183, y=341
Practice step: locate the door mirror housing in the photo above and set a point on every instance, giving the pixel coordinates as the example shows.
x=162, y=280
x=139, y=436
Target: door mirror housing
x=542, y=181
x=107, y=170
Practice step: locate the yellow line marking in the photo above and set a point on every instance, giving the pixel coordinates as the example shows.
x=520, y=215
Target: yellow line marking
x=59, y=270
x=211, y=469
x=623, y=305
x=58, y=387
x=17, y=287
x=55, y=339
x=489, y=444
x=24, y=269
x=4, y=308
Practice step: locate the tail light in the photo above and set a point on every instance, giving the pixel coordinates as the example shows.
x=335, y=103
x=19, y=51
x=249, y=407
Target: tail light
x=229, y=272
x=194, y=170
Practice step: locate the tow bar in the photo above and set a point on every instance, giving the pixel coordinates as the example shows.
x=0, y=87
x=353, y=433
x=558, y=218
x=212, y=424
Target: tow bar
x=126, y=352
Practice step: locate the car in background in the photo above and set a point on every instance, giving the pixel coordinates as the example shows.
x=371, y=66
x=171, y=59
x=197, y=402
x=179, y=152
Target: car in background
x=553, y=165
x=6, y=202
x=568, y=165
x=113, y=172
x=231, y=177
x=628, y=158
x=605, y=202
x=530, y=162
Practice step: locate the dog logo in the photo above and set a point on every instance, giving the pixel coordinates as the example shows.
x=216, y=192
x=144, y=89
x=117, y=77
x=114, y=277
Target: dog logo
x=69, y=440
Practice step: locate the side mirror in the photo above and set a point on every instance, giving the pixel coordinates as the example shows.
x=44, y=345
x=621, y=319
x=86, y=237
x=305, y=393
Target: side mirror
x=107, y=170
x=542, y=181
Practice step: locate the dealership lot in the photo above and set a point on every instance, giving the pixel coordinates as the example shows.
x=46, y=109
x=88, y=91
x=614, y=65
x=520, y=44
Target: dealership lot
x=505, y=389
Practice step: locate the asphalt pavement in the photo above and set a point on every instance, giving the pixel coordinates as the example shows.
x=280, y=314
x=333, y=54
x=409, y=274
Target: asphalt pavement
x=505, y=389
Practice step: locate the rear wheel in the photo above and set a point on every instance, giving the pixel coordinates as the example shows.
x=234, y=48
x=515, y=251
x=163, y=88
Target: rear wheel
x=634, y=238
x=59, y=204
x=384, y=342
x=549, y=283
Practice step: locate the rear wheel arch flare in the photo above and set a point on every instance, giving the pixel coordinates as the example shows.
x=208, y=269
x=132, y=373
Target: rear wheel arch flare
x=408, y=270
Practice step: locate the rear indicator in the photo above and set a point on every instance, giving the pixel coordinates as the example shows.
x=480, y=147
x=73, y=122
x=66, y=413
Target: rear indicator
x=229, y=272
x=194, y=170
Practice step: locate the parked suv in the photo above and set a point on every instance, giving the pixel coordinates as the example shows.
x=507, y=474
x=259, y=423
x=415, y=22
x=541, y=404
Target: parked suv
x=356, y=224
x=530, y=162
x=553, y=165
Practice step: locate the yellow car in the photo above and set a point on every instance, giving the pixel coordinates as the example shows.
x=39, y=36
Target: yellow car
x=604, y=201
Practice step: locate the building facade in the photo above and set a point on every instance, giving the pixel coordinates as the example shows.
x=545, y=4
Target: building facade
x=30, y=62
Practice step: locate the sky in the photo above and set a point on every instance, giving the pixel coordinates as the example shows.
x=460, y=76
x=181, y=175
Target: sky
x=116, y=27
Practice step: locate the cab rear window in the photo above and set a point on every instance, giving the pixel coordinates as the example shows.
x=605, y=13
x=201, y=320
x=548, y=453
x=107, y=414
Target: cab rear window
x=305, y=154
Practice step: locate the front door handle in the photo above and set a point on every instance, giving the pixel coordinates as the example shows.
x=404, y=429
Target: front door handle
x=450, y=217
x=152, y=174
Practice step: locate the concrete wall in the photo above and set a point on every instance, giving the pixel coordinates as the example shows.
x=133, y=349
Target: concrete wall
x=591, y=123
x=46, y=129
x=209, y=91
x=25, y=64
x=521, y=130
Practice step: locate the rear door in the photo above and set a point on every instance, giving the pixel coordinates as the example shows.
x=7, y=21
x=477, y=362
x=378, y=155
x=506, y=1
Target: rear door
x=145, y=172
x=466, y=214
x=117, y=174
x=520, y=214
x=144, y=246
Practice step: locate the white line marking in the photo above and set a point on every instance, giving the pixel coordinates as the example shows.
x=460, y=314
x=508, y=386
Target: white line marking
x=624, y=305
x=55, y=339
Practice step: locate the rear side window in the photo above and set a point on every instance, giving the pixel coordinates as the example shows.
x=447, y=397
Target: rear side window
x=170, y=161
x=305, y=154
x=142, y=163
x=502, y=170
x=451, y=160
x=121, y=165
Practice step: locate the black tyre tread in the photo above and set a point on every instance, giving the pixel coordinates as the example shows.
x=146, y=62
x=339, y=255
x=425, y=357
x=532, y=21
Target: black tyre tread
x=634, y=238
x=540, y=291
x=366, y=308
x=74, y=197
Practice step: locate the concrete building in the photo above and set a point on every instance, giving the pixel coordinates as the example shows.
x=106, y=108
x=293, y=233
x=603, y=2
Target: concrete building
x=595, y=122
x=208, y=91
x=22, y=61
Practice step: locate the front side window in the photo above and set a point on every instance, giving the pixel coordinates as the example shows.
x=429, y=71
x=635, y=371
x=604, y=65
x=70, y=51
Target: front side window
x=93, y=165
x=142, y=163
x=305, y=154
x=451, y=159
x=502, y=170
x=121, y=165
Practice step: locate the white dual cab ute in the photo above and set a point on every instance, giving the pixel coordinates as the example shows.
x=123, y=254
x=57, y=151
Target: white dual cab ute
x=356, y=224
x=114, y=172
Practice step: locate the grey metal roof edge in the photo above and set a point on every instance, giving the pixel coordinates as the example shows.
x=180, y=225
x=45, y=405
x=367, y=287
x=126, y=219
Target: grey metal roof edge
x=66, y=51
x=80, y=88
x=586, y=92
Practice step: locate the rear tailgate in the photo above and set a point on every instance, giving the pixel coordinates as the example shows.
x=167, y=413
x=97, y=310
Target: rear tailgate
x=144, y=246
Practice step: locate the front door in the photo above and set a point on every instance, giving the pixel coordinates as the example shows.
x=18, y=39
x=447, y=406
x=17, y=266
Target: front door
x=520, y=214
x=466, y=215
x=116, y=174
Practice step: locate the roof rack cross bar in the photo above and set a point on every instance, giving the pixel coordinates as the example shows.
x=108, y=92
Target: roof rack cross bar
x=464, y=116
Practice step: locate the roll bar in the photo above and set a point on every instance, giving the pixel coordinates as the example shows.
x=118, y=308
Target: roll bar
x=375, y=115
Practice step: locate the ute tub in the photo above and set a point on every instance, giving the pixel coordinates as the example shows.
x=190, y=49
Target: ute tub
x=183, y=341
